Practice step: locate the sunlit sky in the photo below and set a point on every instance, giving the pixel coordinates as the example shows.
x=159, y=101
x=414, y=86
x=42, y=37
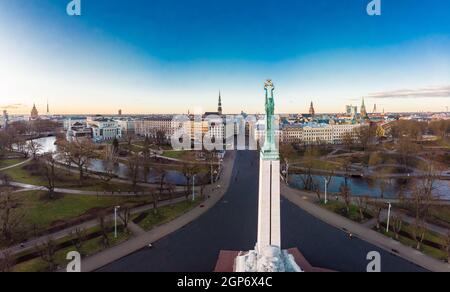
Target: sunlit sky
x=171, y=56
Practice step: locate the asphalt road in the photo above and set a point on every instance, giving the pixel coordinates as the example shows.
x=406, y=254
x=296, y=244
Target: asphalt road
x=232, y=225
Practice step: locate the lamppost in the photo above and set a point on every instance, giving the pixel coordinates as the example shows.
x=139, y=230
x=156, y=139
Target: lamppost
x=115, y=220
x=193, y=187
x=326, y=191
x=287, y=172
x=389, y=217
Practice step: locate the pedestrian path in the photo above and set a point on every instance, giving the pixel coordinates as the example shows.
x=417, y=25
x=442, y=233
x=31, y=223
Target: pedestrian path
x=16, y=165
x=115, y=253
x=299, y=198
x=31, y=244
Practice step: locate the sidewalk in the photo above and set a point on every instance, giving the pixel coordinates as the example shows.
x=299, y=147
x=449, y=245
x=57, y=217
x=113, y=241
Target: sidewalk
x=113, y=254
x=27, y=187
x=31, y=244
x=15, y=165
x=362, y=232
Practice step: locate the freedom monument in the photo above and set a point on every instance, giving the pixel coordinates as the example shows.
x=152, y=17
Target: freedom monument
x=268, y=255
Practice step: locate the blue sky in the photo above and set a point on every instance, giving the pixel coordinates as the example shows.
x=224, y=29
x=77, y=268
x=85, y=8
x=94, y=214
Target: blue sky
x=175, y=55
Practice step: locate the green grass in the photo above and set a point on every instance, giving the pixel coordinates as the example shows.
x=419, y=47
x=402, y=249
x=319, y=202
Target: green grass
x=42, y=213
x=175, y=154
x=429, y=235
x=339, y=208
x=10, y=162
x=165, y=214
x=89, y=248
x=65, y=179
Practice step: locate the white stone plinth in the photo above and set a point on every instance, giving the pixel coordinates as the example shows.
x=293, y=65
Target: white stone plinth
x=269, y=224
x=270, y=259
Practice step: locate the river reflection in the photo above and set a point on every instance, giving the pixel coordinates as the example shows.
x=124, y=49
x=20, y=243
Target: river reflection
x=120, y=169
x=369, y=187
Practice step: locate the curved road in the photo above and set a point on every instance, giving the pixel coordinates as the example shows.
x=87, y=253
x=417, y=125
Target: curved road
x=232, y=225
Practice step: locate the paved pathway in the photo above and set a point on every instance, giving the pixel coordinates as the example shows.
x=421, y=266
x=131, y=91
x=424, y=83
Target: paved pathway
x=16, y=165
x=31, y=244
x=28, y=187
x=115, y=253
x=358, y=230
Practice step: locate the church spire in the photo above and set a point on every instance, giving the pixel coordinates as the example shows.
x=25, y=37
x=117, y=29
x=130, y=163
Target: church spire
x=219, y=108
x=312, y=111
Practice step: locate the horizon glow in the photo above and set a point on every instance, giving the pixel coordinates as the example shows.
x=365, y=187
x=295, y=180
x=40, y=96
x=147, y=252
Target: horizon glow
x=172, y=56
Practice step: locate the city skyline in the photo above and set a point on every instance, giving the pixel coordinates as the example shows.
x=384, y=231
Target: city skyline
x=112, y=57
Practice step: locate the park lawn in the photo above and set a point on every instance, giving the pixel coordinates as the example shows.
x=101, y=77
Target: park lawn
x=165, y=214
x=89, y=248
x=42, y=213
x=67, y=180
x=177, y=154
x=9, y=162
x=339, y=208
x=439, y=215
x=426, y=249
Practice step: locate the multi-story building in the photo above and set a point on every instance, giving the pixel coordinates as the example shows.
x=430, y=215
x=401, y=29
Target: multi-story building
x=78, y=131
x=4, y=121
x=103, y=129
x=292, y=134
x=127, y=126
x=317, y=133
x=149, y=127
x=70, y=122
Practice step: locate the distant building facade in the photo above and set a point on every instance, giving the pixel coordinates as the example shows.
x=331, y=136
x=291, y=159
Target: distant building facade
x=104, y=129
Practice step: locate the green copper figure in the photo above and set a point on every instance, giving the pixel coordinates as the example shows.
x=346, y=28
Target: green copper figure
x=270, y=151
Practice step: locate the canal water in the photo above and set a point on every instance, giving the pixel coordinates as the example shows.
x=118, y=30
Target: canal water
x=121, y=170
x=370, y=187
x=359, y=186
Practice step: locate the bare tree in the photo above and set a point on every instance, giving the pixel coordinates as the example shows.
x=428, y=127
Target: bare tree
x=318, y=192
x=34, y=148
x=47, y=166
x=78, y=236
x=6, y=262
x=446, y=246
x=155, y=200
x=10, y=218
x=348, y=141
x=125, y=216
x=80, y=153
x=363, y=203
x=47, y=252
x=103, y=228
x=5, y=179
x=422, y=198
x=377, y=208
x=309, y=157
x=397, y=224
x=134, y=165
x=346, y=195
x=189, y=171
x=366, y=135
x=107, y=174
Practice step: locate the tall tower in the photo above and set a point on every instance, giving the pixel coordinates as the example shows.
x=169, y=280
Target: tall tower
x=48, y=109
x=363, y=110
x=5, y=119
x=269, y=234
x=268, y=255
x=219, y=108
x=34, y=113
x=312, y=112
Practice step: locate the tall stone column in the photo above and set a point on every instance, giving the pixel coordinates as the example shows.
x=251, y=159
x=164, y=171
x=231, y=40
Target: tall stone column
x=269, y=224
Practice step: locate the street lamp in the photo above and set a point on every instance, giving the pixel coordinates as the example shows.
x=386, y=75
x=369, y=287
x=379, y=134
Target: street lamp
x=193, y=187
x=287, y=172
x=326, y=191
x=389, y=217
x=115, y=220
